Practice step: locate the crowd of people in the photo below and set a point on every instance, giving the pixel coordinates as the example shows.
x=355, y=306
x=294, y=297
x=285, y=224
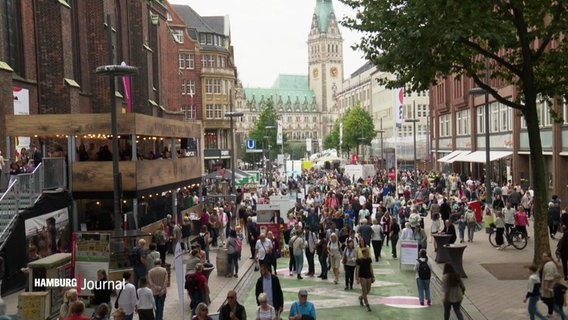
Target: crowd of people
x=344, y=224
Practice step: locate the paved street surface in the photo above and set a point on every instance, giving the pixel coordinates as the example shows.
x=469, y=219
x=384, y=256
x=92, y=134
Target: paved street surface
x=393, y=295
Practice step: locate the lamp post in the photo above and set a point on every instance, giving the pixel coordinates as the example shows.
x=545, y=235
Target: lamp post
x=233, y=115
x=413, y=120
x=113, y=71
x=362, y=141
x=381, y=131
x=268, y=171
x=476, y=91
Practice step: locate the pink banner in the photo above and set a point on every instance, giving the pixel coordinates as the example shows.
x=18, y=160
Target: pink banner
x=126, y=86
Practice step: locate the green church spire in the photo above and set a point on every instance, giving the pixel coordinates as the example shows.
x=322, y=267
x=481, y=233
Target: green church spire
x=323, y=11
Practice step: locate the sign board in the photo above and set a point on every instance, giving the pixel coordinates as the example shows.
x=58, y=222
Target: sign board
x=253, y=151
x=251, y=144
x=408, y=252
x=285, y=204
x=265, y=212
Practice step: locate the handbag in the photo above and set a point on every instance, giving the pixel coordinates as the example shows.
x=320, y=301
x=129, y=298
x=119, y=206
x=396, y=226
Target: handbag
x=268, y=258
x=256, y=266
x=116, y=302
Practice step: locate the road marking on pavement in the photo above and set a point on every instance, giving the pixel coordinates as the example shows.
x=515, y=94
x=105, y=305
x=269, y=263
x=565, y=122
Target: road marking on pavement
x=403, y=302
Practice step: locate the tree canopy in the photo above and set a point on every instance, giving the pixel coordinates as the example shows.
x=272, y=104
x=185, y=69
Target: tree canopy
x=358, y=129
x=516, y=42
x=267, y=117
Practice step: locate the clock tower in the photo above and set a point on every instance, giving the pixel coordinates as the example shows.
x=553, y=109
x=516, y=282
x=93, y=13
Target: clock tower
x=325, y=62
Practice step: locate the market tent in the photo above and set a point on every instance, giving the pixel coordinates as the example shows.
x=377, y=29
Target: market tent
x=450, y=156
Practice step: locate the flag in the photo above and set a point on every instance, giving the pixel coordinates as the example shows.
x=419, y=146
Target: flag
x=126, y=87
x=399, y=106
x=309, y=145
x=279, y=132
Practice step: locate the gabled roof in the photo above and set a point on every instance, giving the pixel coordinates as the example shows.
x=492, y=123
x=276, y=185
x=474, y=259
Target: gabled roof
x=193, y=19
x=216, y=23
x=323, y=11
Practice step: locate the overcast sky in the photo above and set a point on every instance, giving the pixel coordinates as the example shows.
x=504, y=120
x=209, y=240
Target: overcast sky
x=269, y=36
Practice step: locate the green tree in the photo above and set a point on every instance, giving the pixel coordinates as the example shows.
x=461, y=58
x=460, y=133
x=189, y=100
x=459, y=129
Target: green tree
x=331, y=141
x=266, y=118
x=358, y=128
x=522, y=42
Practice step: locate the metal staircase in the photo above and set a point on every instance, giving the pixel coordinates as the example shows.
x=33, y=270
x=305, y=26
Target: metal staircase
x=22, y=193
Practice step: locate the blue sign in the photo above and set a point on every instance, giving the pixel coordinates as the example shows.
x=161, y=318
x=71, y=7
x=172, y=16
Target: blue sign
x=251, y=144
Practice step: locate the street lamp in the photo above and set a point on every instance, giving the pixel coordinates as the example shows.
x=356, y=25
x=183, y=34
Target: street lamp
x=381, y=131
x=473, y=92
x=113, y=71
x=414, y=120
x=233, y=115
x=268, y=171
x=362, y=144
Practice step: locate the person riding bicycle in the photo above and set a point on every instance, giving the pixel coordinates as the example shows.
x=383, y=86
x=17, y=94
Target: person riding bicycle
x=521, y=220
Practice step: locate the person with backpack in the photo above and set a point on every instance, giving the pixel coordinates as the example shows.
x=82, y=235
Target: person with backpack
x=160, y=240
x=234, y=246
x=423, y=270
x=197, y=288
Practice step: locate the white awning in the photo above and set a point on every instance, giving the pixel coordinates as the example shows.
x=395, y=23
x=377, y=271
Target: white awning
x=460, y=157
x=479, y=156
x=449, y=156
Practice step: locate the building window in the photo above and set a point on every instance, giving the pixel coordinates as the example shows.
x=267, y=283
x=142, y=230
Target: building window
x=204, y=61
x=218, y=111
x=505, y=114
x=217, y=88
x=565, y=110
x=480, y=119
x=209, y=39
x=190, y=112
x=178, y=35
x=210, y=140
x=462, y=121
x=544, y=118
x=445, y=125
x=494, y=107
x=208, y=86
x=187, y=87
x=209, y=112
x=211, y=61
x=190, y=61
x=13, y=36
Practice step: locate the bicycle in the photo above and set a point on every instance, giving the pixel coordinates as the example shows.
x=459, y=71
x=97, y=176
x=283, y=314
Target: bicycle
x=515, y=238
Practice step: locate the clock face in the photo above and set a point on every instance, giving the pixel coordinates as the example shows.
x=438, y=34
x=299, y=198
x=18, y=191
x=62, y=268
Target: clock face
x=315, y=73
x=333, y=72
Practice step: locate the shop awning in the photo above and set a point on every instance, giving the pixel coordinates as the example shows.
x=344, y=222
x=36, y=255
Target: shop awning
x=450, y=156
x=460, y=157
x=479, y=156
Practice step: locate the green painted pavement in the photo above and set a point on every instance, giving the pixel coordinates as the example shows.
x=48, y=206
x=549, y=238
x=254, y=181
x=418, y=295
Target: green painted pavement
x=333, y=302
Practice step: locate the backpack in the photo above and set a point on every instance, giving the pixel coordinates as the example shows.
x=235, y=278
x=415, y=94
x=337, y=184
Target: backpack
x=424, y=271
x=191, y=283
x=238, y=244
x=201, y=241
x=134, y=256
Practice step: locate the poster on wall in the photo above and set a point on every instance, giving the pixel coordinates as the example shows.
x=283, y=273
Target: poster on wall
x=90, y=253
x=45, y=231
x=21, y=98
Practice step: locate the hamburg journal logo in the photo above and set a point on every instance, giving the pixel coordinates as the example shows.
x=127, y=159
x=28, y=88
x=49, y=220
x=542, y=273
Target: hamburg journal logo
x=79, y=283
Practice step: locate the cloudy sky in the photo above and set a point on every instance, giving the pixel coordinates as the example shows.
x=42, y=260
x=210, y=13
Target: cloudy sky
x=269, y=36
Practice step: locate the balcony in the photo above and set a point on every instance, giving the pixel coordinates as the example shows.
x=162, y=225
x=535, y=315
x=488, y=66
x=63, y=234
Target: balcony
x=138, y=177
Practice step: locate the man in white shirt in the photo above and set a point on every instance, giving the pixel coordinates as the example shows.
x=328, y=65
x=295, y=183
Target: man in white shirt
x=508, y=217
x=263, y=248
x=127, y=297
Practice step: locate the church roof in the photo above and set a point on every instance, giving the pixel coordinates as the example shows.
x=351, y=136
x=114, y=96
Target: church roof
x=323, y=11
x=286, y=88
